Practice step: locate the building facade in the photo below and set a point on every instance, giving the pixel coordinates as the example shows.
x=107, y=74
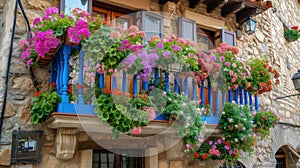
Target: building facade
x=67, y=146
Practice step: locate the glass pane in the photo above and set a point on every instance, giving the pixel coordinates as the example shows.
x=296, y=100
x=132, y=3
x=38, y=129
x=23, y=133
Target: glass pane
x=95, y=157
x=71, y=4
x=188, y=33
x=101, y=15
x=152, y=27
x=121, y=21
x=104, y=165
x=204, y=43
x=95, y=165
x=103, y=158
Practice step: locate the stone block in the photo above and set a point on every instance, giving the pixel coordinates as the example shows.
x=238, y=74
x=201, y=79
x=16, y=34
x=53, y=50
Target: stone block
x=176, y=164
x=5, y=157
x=38, y=5
x=24, y=113
x=163, y=164
x=9, y=109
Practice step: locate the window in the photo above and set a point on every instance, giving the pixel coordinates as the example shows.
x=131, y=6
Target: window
x=281, y=159
x=105, y=159
x=152, y=24
x=68, y=5
x=237, y=165
x=187, y=28
x=205, y=39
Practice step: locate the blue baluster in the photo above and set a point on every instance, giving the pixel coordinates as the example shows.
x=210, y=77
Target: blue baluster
x=230, y=95
x=101, y=81
x=167, y=81
x=186, y=89
x=114, y=83
x=124, y=82
x=210, y=97
x=223, y=99
x=146, y=85
x=241, y=95
x=256, y=102
x=53, y=71
x=156, y=76
x=202, y=94
x=135, y=87
x=246, y=97
x=236, y=97
x=194, y=91
x=80, y=76
x=250, y=101
x=217, y=101
x=176, y=89
x=65, y=81
x=61, y=70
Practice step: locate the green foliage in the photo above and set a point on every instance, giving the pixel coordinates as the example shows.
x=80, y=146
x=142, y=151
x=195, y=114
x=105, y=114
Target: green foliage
x=43, y=105
x=264, y=121
x=122, y=113
x=291, y=35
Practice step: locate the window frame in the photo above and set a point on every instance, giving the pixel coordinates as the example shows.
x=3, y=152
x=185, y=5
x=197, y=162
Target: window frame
x=63, y=2
x=181, y=29
x=144, y=13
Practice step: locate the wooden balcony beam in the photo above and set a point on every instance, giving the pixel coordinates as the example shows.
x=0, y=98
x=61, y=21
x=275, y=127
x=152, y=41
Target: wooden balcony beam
x=194, y=3
x=243, y=15
x=232, y=8
x=165, y=1
x=213, y=5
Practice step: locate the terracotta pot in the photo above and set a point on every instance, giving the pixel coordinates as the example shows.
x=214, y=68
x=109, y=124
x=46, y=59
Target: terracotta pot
x=44, y=61
x=68, y=41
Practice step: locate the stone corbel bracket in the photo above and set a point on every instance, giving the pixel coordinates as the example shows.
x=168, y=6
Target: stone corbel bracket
x=66, y=141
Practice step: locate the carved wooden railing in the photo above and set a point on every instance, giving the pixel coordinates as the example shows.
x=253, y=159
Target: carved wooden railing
x=60, y=74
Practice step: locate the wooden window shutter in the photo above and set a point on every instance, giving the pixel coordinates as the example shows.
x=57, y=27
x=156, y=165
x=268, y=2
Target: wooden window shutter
x=228, y=37
x=152, y=24
x=187, y=28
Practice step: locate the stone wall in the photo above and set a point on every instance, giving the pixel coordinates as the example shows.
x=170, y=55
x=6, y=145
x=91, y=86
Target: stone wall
x=267, y=40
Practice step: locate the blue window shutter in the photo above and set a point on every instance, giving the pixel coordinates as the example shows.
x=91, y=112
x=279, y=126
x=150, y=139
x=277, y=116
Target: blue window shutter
x=228, y=37
x=187, y=28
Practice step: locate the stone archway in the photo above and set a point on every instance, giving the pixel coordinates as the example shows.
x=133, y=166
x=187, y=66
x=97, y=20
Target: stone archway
x=283, y=137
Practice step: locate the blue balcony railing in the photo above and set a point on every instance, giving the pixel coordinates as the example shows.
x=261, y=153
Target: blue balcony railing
x=60, y=74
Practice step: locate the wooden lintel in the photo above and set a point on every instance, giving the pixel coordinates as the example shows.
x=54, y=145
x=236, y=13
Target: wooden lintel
x=232, y=8
x=213, y=5
x=259, y=4
x=243, y=15
x=194, y=3
x=165, y=1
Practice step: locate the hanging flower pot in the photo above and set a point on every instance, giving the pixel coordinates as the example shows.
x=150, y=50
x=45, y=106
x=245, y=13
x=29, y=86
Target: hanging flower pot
x=69, y=41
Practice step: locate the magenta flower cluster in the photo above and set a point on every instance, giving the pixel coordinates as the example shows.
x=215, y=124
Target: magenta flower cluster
x=44, y=41
x=79, y=32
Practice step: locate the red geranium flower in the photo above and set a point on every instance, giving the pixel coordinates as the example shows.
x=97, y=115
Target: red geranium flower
x=227, y=143
x=265, y=117
x=37, y=94
x=69, y=89
x=204, y=156
x=295, y=27
x=53, y=84
x=196, y=155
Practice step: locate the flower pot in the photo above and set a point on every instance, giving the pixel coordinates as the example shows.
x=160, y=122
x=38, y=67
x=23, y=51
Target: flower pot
x=69, y=42
x=44, y=61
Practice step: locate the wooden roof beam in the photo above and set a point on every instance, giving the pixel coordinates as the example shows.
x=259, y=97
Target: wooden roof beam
x=232, y=8
x=194, y=3
x=243, y=15
x=165, y=1
x=214, y=4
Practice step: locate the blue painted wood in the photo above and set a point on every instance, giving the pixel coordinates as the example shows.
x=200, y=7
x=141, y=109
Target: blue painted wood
x=101, y=81
x=256, y=102
x=61, y=69
x=156, y=76
x=53, y=71
x=210, y=96
x=202, y=94
x=194, y=91
x=65, y=81
x=167, y=82
x=176, y=88
x=80, y=76
x=185, y=86
x=146, y=85
x=250, y=102
x=223, y=99
x=217, y=101
x=246, y=97
x=114, y=83
x=230, y=95
x=241, y=95
x=135, y=87
x=236, y=96
x=124, y=82
x=71, y=108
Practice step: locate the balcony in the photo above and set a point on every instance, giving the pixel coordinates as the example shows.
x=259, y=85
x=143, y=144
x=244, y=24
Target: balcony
x=64, y=116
